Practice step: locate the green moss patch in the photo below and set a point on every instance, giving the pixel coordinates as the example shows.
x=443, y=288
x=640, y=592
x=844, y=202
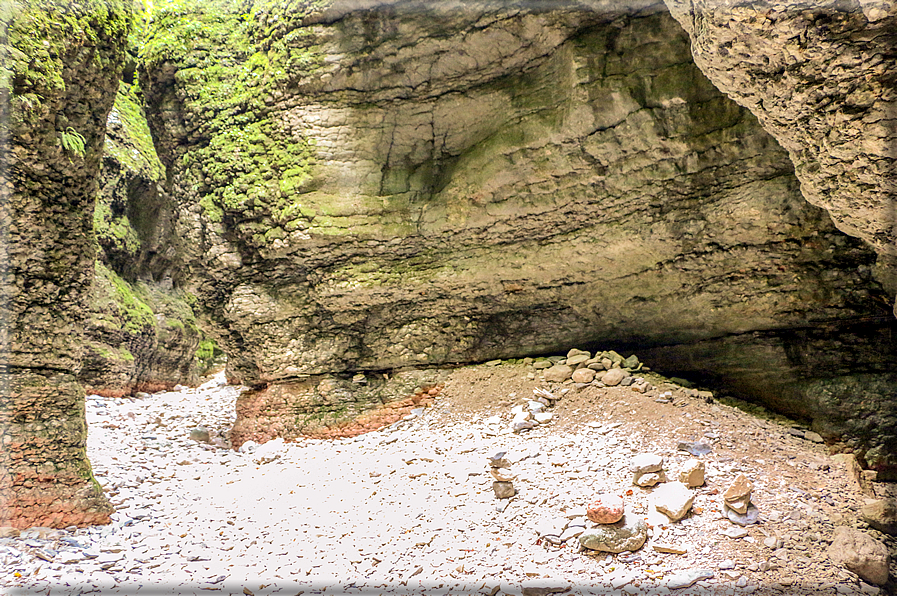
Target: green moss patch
x=248, y=166
x=128, y=309
x=129, y=140
x=43, y=36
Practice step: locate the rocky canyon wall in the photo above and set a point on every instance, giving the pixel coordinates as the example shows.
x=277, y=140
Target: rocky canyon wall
x=61, y=64
x=141, y=333
x=821, y=79
x=365, y=186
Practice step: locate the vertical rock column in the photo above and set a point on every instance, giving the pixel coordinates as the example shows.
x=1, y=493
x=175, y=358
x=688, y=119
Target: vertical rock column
x=64, y=62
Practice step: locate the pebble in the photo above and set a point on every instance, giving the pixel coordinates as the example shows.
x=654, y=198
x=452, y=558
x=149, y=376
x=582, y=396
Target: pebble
x=669, y=547
x=813, y=436
x=685, y=579
x=543, y=417
x=736, y=533
x=200, y=434
x=498, y=460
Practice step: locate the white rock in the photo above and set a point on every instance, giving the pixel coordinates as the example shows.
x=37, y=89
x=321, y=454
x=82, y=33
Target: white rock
x=673, y=499
x=687, y=578
x=644, y=463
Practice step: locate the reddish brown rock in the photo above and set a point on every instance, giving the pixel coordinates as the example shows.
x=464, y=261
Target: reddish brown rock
x=605, y=509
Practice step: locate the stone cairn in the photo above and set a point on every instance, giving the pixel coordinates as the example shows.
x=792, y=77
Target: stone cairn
x=737, y=502
x=502, y=485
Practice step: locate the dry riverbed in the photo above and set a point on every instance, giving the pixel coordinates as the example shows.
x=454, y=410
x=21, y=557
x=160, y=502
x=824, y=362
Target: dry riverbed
x=411, y=509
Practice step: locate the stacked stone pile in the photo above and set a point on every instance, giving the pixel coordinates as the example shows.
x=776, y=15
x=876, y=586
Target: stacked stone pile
x=737, y=502
x=604, y=369
x=502, y=484
x=530, y=414
x=647, y=470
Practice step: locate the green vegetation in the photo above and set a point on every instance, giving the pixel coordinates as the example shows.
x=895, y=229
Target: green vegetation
x=208, y=355
x=115, y=234
x=44, y=36
x=134, y=315
x=232, y=56
x=128, y=139
x=72, y=141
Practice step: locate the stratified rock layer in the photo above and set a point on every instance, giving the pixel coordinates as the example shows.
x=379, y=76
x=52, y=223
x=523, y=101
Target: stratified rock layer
x=579, y=181
x=820, y=77
x=65, y=60
x=391, y=184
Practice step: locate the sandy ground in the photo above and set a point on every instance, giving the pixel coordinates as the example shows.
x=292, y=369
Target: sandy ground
x=411, y=509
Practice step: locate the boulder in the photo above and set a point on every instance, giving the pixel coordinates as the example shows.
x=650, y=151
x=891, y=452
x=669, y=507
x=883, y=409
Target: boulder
x=691, y=473
x=628, y=534
x=583, y=375
x=860, y=553
x=558, y=373
x=673, y=499
x=645, y=462
x=881, y=515
x=503, y=490
x=614, y=377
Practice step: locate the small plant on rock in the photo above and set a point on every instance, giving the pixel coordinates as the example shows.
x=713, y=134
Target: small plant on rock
x=73, y=141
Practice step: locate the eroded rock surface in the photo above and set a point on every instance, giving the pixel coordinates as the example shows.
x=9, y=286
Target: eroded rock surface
x=454, y=185
x=65, y=61
x=820, y=78
x=141, y=331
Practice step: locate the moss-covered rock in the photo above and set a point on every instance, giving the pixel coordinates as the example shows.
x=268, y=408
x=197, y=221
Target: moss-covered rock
x=141, y=337
x=61, y=64
x=142, y=331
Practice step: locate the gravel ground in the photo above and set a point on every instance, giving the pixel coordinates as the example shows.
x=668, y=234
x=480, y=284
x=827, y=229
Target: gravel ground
x=410, y=509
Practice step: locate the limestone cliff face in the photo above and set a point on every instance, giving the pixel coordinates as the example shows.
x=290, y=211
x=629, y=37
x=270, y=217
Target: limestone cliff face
x=821, y=79
x=61, y=63
x=376, y=185
x=141, y=332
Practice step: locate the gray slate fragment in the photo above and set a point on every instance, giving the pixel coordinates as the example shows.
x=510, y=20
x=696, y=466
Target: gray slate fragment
x=696, y=448
x=751, y=517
